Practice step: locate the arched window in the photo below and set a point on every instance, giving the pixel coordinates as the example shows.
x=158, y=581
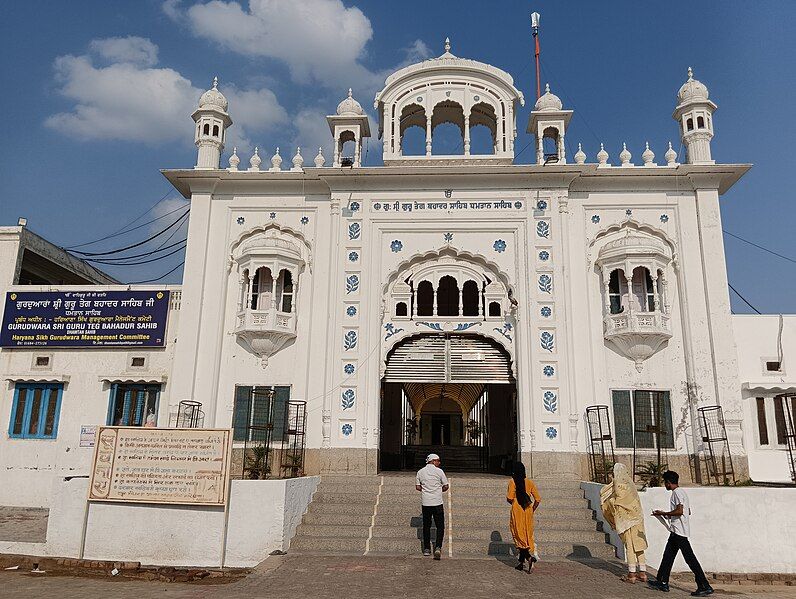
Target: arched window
x=412, y=130
x=206, y=130
x=215, y=130
x=689, y=124
x=659, y=284
x=447, y=128
x=615, y=291
x=448, y=297
x=650, y=287
x=262, y=289
x=700, y=122
x=400, y=309
x=494, y=308
x=425, y=299
x=284, y=291
x=643, y=295
x=470, y=298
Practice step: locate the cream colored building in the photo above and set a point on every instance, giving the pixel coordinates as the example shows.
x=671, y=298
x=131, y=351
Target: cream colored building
x=458, y=302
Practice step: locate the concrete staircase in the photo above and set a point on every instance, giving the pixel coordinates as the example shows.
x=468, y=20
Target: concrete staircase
x=381, y=515
x=461, y=458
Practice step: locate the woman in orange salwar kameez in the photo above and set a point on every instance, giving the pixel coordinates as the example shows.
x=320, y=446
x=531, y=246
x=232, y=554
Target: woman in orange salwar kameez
x=519, y=494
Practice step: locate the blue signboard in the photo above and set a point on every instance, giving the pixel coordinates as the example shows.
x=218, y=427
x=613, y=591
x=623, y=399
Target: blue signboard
x=85, y=319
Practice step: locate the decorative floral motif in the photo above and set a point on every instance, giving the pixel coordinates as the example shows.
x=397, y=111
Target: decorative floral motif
x=500, y=246
x=351, y=283
x=305, y=220
x=628, y=213
x=505, y=330
x=546, y=311
x=550, y=401
x=463, y=326
x=448, y=237
x=354, y=229
x=551, y=432
x=432, y=325
x=351, y=310
x=350, y=340
x=547, y=340
x=391, y=330
x=353, y=256
x=544, y=255
x=349, y=369
x=272, y=215
x=347, y=399
x=518, y=205
x=396, y=245
x=541, y=205
x=354, y=206
x=548, y=370
x=545, y=283
x=543, y=229
x=664, y=218
x=347, y=429
x=240, y=220
x=595, y=218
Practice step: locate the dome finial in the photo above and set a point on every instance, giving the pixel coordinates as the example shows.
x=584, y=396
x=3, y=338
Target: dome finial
x=350, y=92
x=447, y=44
x=690, y=74
x=547, y=88
x=215, y=82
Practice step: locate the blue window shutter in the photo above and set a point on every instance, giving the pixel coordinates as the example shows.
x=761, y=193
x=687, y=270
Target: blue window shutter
x=623, y=419
x=126, y=408
x=112, y=404
x=18, y=389
x=241, y=412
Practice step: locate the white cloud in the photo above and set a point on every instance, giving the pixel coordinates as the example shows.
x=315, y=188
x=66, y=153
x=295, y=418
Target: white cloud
x=318, y=40
x=132, y=49
x=128, y=101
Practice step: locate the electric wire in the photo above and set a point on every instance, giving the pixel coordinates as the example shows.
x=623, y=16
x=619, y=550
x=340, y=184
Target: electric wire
x=143, y=255
x=140, y=243
x=124, y=229
x=760, y=247
x=163, y=276
x=743, y=298
x=171, y=253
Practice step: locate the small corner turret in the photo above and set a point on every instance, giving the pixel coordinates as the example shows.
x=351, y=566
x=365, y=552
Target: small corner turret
x=694, y=112
x=212, y=121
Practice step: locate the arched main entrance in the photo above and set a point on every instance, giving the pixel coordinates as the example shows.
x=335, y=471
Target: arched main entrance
x=452, y=394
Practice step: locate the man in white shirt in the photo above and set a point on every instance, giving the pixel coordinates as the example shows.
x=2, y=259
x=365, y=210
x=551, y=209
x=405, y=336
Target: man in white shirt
x=680, y=529
x=432, y=483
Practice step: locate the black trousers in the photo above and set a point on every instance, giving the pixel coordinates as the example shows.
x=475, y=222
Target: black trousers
x=438, y=513
x=673, y=545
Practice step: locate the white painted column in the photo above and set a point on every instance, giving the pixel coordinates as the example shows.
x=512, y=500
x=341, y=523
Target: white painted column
x=428, y=135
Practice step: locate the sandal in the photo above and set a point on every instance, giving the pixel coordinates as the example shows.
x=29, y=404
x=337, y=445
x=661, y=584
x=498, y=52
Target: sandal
x=630, y=578
x=642, y=576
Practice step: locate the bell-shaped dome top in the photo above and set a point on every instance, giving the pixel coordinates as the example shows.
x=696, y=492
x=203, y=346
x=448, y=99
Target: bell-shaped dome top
x=349, y=106
x=692, y=90
x=548, y=102
x=213, y=98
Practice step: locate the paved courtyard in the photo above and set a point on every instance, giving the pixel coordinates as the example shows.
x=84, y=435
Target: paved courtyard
x=352, y=577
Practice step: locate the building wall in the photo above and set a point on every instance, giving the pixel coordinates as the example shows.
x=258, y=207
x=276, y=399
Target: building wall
x=28, y=465
x=761, y=339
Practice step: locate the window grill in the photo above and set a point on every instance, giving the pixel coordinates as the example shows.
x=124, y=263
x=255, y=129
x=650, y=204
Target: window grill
x=601, y=443
x=189, y=415
x=714, y=436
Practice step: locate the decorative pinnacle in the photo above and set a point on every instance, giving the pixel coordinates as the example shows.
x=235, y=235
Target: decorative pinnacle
x=350, y=92
x=601, y=146
x=215, y=82
x=690, y=74
x=447, y=44
x=547, y=88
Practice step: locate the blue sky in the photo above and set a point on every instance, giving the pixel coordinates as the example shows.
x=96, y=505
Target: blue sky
x=99, y=96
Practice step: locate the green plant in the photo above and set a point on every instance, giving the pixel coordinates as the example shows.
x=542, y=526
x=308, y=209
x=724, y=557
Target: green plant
x=257, y=467
x=651, y=474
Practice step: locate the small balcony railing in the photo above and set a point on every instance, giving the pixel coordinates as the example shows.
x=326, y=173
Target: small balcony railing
x=638, y=322
x=255, y=321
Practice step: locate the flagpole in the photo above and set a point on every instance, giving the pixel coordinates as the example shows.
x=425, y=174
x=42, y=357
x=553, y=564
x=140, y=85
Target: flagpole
x=535, y=28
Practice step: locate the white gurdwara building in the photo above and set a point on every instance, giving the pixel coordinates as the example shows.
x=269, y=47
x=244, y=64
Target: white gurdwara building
x=462, y=302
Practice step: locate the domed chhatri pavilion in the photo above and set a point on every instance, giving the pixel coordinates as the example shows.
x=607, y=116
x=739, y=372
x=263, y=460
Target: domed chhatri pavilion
x=462, y=303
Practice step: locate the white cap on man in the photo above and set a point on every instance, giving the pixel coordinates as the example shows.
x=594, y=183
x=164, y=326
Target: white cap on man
x=431, y=457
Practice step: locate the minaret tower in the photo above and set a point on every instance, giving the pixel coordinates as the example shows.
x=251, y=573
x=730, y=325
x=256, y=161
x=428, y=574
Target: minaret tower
x=694, y=112
x=350, y=123
x=549, y=120
x=211, y=120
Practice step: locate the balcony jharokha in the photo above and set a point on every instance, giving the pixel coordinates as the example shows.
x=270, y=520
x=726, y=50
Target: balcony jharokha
x=636, y=311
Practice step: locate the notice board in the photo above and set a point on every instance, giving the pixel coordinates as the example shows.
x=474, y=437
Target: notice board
x=187, y=466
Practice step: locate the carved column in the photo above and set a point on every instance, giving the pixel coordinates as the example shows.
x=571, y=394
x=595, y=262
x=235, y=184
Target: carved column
x=655, y=302
x=562, y=149
x=428, y=135
x=467, y=135
x=250, y=290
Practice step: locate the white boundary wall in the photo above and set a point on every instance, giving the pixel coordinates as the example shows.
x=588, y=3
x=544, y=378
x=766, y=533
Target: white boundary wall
x=741, y=529
x=263, y=517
